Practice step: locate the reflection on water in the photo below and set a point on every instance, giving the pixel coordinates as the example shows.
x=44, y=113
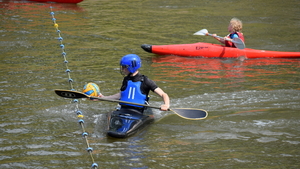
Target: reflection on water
x=220, y=68
x=229, y=73
x=253, y=105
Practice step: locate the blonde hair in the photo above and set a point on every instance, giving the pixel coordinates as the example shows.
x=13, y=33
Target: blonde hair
x=236, y=24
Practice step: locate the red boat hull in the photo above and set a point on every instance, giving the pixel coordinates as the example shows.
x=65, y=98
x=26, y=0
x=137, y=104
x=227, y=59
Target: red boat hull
x=213, y=50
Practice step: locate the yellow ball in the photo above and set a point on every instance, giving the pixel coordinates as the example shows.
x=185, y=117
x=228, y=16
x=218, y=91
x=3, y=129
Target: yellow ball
x=91, y=89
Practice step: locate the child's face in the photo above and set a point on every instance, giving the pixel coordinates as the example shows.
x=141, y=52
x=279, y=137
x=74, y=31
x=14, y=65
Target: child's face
x=230, y=28
x=124, y=70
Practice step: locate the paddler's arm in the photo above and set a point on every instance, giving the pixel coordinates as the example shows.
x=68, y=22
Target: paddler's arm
x=165, y=98
x=219, y=39
x=116, y=96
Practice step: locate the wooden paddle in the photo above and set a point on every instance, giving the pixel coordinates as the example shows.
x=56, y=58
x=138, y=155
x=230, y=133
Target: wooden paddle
x=186, y=113
x=237, y=41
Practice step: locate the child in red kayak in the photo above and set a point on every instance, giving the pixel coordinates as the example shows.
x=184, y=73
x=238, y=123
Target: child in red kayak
x=235, y=27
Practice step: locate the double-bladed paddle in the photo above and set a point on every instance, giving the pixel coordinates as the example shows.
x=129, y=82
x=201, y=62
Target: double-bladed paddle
x=237, y=41
x=186, y=113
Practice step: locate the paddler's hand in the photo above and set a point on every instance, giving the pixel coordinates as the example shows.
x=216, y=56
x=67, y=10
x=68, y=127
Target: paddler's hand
x=164, y=107
x=215, y=36
x=100, y=95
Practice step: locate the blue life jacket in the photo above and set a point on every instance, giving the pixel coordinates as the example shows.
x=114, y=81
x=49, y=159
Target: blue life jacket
x=133, y=93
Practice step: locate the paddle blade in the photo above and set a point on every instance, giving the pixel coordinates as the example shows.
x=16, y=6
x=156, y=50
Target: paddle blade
x=191, y=114
x=202, y=32
x=70, y=94
x=238, y=43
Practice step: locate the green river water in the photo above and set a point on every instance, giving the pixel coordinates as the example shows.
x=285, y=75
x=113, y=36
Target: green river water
x=253, y=105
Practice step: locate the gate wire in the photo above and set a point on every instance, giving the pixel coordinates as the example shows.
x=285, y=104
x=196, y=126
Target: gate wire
x=78, y=112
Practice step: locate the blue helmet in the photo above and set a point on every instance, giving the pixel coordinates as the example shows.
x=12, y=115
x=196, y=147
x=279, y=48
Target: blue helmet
x=132, y=62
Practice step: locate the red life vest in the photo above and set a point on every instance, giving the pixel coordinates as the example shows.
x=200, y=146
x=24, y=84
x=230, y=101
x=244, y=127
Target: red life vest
x=230, y=44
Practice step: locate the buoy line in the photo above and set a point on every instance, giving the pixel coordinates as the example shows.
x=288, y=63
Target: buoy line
x=75, y=101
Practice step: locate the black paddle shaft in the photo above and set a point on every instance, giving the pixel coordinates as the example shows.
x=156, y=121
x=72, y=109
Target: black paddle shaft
x=78, y=95
x=187, y=113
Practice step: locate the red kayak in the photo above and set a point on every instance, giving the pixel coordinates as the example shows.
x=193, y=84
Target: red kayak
x=60, y=1
x=214, y=50
x=30, y=8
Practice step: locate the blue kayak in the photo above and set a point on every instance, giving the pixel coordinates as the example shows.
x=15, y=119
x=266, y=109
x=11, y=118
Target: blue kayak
x=125, y=122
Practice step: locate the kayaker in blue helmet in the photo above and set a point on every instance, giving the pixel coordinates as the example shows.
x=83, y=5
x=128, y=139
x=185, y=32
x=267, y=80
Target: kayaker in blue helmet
x=136, y=87
x=235, y=27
